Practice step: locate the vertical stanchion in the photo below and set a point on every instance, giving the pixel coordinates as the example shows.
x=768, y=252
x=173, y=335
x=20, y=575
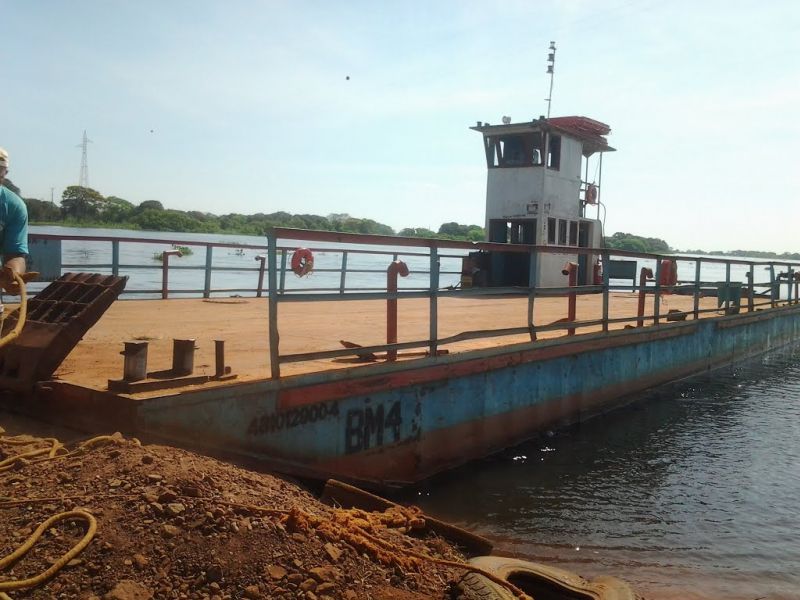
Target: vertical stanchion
x=272, y=282
x=209, y=261
x=772, y=295
x=696, y=294
x=165, y=271
x=284, y=256
x=115, y=257
x=261, y=262
x=433, y=318
x=532, y=292
x=727, y=286
x=343, y=276
x=657, y=295
x=751, y=277
x=606, y=280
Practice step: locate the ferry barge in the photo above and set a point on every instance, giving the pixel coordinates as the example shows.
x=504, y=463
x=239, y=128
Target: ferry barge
x=461, y=350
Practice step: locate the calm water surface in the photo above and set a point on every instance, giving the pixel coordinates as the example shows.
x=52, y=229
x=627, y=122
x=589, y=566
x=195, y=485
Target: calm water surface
x=692, y=492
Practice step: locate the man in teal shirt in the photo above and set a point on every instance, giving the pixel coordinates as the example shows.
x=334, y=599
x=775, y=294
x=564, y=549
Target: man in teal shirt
x=13, y=232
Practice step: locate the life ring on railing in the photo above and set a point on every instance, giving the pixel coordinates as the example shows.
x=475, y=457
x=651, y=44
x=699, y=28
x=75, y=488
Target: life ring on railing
x=590, y=196
x=302, y=262
x=669, y=273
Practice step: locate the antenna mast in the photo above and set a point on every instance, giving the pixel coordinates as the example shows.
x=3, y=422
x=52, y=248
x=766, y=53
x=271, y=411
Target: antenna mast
x=551, y=62
x=84, y=178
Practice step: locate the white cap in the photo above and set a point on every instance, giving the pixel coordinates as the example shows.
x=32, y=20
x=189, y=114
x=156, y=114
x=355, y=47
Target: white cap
x=3, y=158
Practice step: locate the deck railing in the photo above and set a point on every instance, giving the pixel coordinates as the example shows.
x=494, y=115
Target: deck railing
x=352, y=262
x=729, y=291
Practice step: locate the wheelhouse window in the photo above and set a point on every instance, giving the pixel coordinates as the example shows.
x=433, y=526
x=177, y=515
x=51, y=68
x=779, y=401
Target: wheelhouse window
x=514, y=150
x=551, y=230
x=573, y=233
x=554, y=152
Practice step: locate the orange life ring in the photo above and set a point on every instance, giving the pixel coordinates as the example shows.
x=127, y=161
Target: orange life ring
x=669, y=273
x=591, y=194
x=302, y=262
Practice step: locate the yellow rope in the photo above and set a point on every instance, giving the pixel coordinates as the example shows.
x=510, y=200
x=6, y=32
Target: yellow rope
x=23, y=313
x=59, y=564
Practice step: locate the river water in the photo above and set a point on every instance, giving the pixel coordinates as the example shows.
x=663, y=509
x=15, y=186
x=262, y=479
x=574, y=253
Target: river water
x=690, y=492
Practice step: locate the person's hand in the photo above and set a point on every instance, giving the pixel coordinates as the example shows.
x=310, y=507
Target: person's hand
x=9, y=283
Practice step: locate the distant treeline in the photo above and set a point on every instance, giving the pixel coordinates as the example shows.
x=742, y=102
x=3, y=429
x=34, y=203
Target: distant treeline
x=636, y=243
x=85, y=207
x=747, y=253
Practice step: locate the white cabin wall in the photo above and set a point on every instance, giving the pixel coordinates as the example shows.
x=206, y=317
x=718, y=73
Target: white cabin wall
x=549, y=267
x=562, y=187
x=509, y=191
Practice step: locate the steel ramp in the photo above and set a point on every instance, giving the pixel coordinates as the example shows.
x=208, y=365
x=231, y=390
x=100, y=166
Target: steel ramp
x=58, y=317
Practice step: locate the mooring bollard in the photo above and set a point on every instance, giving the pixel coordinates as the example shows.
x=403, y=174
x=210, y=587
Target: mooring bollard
x=183, y=357
x=135, y=367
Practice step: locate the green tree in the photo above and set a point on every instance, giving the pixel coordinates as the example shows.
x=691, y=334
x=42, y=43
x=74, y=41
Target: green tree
x=116, y=210
x=417, y=232
x=636, y=243
x=81, y=202
x=150, y=205
x=40, y=210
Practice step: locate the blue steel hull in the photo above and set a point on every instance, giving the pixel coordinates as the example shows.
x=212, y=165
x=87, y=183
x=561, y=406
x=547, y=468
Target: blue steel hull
x=394, y=424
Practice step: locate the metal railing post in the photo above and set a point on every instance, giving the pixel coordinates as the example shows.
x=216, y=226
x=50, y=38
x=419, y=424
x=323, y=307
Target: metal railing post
x=272, y=276
x=696, y=294
x=605, y=257
x=115, y=258
x=657, y=295
x=751, y=278
x=772, y=286
x=571, y=271
x=433, y=319
x=532, y=293
x=645, y=274
x=261, y=261
x=165, y=271
x=343, y=277
x=727, y=286
x=284, y=256
x=209, y=261
x=396, y=268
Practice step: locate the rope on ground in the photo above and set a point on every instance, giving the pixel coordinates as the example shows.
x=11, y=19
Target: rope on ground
x=56, y=566
x=52, y=453
x=57, y=450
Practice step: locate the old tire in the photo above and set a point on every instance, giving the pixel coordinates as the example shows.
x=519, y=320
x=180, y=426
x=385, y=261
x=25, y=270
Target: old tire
x=540, y=581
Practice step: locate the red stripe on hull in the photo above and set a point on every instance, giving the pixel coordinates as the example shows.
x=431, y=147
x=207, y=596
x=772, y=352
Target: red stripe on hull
x=299, y=396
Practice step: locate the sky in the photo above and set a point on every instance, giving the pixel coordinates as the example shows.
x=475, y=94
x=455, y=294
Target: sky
x=365, y=107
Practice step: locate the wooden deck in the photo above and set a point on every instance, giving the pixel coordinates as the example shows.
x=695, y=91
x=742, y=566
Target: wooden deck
x=309, y=327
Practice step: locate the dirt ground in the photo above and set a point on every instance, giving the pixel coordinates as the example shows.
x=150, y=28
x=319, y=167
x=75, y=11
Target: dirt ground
x=173, y=524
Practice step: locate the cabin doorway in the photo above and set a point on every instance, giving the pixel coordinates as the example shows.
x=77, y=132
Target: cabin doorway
x=511, y=268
